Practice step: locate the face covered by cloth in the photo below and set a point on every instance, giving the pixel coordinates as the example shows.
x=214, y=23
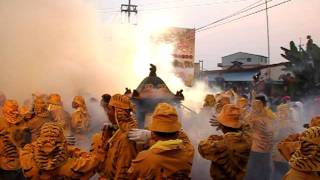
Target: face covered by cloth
x=11, y=112
x=51, y=147
x=40, y=107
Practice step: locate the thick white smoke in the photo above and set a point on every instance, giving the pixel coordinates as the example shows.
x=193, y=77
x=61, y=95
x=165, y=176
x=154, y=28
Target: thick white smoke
x=63, y=46
x=59, y=46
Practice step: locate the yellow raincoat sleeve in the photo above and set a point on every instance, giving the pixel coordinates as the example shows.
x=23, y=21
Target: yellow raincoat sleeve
x=82, y=167
x=28, y=165
x=211, y=147
x=288, y=146
x=9, y=153
x=98, y=147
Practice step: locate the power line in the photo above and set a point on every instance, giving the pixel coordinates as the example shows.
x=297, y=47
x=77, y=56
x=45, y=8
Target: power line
x=174, y=7
x=156, y=2
x=243, y=10
x=261, y=10
x=190, y=5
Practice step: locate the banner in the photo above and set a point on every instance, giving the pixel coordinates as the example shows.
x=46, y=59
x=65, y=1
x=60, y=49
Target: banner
x=183, y=40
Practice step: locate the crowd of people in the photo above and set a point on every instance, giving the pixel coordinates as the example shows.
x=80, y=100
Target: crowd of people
x=38, y=140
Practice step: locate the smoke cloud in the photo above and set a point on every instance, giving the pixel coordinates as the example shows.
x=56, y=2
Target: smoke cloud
x=57, y=47
x=63, y=47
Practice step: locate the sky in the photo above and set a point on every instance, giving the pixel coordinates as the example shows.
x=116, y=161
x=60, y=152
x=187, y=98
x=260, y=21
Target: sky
x=291, y=21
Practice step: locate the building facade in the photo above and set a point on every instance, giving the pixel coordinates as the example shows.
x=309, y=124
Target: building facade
x=245, y=60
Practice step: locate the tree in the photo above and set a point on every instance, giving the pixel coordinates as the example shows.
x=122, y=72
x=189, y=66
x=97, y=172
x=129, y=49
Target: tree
x=305, y=65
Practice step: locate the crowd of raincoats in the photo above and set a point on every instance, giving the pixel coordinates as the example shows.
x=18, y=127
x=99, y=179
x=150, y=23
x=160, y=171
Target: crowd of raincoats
x=39, y=140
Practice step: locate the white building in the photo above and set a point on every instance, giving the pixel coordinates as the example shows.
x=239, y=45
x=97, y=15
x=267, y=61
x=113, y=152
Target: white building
x=245, y=60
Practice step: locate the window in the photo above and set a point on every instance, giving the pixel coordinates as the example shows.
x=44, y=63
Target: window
x=248, y=59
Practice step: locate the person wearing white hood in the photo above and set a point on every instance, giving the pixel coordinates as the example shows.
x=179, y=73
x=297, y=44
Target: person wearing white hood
x=298, y=114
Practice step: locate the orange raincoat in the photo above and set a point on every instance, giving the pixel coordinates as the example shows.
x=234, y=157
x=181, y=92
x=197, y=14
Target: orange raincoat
x=58, y=114
x=228, y=154
x=12, y=131
x=80, y=117
x=41, y=117
x=116, y=149
x=171, y=159
x=49, y=157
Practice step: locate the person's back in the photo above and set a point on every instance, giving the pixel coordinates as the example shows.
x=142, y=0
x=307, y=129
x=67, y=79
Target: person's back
x=305, y=161
x=164, y=160
x=228, y=153
x=59, y=115
x=41, y=116
x=170, y=154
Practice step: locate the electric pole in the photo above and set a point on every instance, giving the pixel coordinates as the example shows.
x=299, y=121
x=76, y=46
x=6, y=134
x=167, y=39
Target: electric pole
x=129, y=8
x=201, y=68
x=268, y=35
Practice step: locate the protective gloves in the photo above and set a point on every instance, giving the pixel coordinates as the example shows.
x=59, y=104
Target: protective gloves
x=140, y=136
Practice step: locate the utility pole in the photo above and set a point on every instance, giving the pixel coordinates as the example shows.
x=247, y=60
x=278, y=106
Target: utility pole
x=300, y=45
x=268, y=34
x=129, y=8
x=201, y=68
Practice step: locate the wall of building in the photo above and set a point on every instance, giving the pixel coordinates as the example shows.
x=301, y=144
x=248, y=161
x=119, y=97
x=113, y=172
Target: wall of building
x=196, y=70
x=246, y=59
x=274, y=72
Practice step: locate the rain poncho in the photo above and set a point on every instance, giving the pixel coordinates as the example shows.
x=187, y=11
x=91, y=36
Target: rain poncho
x=305, y=162
x=167, y=159
x=49, y=157
x=58, y=114
x=112, y=145
x=41, y=116
x=13, y=136
x=80, y=117
x=228, y=154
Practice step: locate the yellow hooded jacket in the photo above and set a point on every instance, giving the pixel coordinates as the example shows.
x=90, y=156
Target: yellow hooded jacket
x=169, y=159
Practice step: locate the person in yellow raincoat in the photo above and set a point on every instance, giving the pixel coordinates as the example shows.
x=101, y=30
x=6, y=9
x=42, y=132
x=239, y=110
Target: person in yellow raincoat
x=208, y=108
x=26, y=109
x=41, y=116
x=315, y=121
x=229, y=152
x=305, y=162
x=209, y=101
x=272, y=116
x=221, y=100
x=13, y=136
x=289, y=145
x=2, y=100
x=113, y=143
x=49, y=157
x=80, y=118
x=59, y=115
x=105, y=99
x=170, y=153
